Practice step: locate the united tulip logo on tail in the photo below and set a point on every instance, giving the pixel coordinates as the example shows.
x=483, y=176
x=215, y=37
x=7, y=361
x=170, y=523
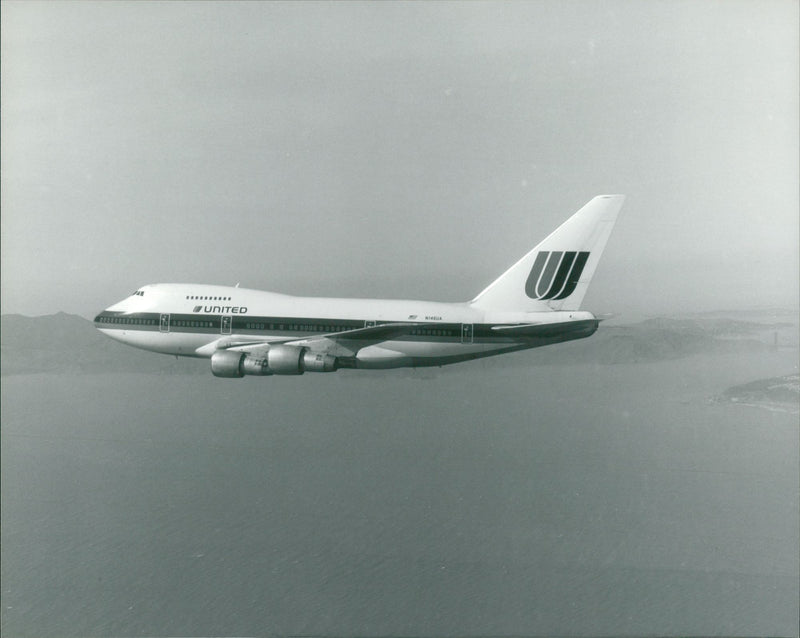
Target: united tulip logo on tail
x=555, y=274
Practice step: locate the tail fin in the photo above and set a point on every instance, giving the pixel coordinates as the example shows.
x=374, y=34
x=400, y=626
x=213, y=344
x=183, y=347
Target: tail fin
x=558, y=271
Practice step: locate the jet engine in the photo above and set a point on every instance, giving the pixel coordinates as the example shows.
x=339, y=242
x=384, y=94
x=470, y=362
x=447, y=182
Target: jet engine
x=279, y=359
x=234, y=365
x=319, y=362
x=282, y=359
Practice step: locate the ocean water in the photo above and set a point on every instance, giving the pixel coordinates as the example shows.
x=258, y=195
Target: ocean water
x=528, y=500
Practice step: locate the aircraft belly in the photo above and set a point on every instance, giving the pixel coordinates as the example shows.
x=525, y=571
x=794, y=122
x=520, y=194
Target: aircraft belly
x=382, y=357
x=399, y=354
x=164, y=342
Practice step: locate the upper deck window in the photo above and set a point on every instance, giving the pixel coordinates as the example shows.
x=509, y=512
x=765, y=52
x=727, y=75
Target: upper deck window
x=207, y=298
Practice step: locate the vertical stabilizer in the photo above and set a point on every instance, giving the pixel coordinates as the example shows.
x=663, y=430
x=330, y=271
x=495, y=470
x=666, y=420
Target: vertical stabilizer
x=558, y=271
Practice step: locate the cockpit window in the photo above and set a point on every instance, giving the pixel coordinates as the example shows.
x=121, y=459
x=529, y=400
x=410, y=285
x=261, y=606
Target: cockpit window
x=139, y=293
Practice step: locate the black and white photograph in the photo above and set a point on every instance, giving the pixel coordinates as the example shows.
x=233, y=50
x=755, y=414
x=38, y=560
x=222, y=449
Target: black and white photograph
x=421, y=319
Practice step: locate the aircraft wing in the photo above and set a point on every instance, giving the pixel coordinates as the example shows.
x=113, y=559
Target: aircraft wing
x=345, y=343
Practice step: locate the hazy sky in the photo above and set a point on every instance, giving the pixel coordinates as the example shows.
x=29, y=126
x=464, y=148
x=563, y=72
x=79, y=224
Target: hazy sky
x=397, y=149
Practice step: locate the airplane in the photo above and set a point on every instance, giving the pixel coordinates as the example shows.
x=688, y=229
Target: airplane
x=536, y=302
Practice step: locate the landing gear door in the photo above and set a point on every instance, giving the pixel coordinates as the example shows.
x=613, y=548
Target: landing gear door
x=466, y=333
x=225, y=325
x=163, y=324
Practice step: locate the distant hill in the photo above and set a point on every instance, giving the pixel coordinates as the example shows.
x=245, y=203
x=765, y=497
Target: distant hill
x=69, y=343
x=665, y=338
x=776, y=393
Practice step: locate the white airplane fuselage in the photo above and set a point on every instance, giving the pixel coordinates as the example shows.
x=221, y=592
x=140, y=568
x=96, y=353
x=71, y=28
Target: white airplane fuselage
x=536, y=302
x=195, y=320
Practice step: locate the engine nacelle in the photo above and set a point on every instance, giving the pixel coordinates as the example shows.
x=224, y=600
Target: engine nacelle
x=228, y=364
x=318, y=362
x=234, y=365
x=283, y=359
x=251, y=365
x=280, y=359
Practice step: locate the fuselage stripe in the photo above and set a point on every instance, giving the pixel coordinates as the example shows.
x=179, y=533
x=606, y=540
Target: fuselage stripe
x=212, y=325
